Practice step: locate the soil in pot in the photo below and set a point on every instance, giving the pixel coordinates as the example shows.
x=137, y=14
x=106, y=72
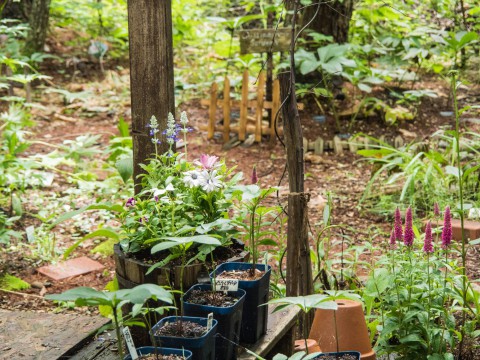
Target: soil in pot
x=160, y=357
x=245, y=275
x=184, y=329
x=209, y=298
x=339, y=357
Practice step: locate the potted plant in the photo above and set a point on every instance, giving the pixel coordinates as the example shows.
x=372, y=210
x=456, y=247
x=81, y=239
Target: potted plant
x=254, y=278
x=226, y=307
x=114, y=300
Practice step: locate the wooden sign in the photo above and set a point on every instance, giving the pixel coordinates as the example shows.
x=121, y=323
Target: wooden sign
x=262, y=40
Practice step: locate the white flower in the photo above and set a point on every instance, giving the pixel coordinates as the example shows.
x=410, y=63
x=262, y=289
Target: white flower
x=210, y=181
x=192, y=178
x=157, y=193
x=170, y=187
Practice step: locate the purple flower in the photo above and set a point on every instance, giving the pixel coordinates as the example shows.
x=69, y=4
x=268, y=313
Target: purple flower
x=409, y=235
x=254, y=175
x=447, y=229
x=428, y=243
x=131, y=202
x=143, y=220
x=436, y=210
x=393, y=242
x=398, y=225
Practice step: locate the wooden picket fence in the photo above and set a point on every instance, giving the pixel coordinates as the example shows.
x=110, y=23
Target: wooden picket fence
x=247, y=124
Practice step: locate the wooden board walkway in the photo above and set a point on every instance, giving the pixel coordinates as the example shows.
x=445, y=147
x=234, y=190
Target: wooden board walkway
x=44, y=336
x=279, y=338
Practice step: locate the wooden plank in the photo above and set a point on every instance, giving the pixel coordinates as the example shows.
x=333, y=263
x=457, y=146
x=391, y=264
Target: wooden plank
x=264, y=40
x=275, y=110
x=33, y=335
x=213, y=110
x=243, y=107
x=226, y=109
x=250, y=129
x=259, y=110
x=279, y=325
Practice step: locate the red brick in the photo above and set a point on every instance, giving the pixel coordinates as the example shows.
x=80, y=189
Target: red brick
x=472, y=229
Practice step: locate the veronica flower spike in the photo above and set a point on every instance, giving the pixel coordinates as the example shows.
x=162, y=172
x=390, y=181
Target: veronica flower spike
x=447, y=229
x=393, y=241
x=398, y=225
x=428, y=243
x=409, y=235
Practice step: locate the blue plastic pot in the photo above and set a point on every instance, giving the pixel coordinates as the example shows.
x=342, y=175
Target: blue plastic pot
x=202, y=348
x=254, y=318
x=145, y=350
x=340, y=353
x=229, y=320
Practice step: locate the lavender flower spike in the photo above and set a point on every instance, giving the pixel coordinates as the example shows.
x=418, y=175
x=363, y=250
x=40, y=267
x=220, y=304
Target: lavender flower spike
x=447, y=229
x=409, y=235
x=393, y=241
x=436, y=210
x=428, y=243
x=398, y=225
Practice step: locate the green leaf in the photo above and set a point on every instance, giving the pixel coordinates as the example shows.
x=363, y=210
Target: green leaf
x=100, y=206
x=104, y=232
x=125, y=168
x=452, y=170
x=17, y=205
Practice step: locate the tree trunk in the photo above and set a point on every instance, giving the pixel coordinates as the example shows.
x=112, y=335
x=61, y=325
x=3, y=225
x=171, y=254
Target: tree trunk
x=151, y=75
x=38, y=22
x=333, y=19
x=18, y=10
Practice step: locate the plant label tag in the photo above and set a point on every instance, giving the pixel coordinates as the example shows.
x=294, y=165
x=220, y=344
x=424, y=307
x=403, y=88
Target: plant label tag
x=129, y=342
x=226, y=284
x=209, y=321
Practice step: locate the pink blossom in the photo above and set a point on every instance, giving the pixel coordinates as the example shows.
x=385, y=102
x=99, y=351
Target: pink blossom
x=208, y=162
x=409, y=235
x=447, y=229
x=398, y=225
x=428, y=244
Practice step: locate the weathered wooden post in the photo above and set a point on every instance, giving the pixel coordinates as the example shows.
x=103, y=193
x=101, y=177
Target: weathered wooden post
x=151, y=74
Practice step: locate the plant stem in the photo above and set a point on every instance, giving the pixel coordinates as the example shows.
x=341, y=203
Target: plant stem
x=119, y=335
x=462, y=220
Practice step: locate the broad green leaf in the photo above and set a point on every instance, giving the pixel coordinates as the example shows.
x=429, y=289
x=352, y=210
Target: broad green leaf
x=125, y=168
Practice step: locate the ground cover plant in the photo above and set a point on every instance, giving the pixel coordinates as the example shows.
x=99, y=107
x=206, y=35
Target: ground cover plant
x=66, y=149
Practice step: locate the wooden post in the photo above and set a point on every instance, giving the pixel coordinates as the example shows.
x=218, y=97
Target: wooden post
x=226, y=109
x=212, y=114
x=243, y=108
x=275, y=109
x=151, y=74
x=259, y=110
x=299, y=268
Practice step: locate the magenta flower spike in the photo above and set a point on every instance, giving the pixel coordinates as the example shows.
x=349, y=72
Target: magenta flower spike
x=447, y=229
x=398, y=226
x=428, y=242
x=436, y=210
x=254, y=175
x=393, y=241
x=408, y=236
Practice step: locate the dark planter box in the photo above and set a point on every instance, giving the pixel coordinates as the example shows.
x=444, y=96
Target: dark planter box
x=145, y=350
x=202, y=348
x=340, y=353
x=254, y=319
x=229, y=320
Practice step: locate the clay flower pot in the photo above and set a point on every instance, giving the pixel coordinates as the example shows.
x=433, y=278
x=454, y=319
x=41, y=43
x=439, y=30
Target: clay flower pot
x=351, y=329
x=312, y=346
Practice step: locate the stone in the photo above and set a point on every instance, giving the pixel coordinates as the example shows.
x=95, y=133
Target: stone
x=69, y=268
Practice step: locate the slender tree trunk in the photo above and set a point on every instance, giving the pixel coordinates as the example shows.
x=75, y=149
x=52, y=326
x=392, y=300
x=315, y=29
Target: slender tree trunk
x=151, y=74
x=38, y=21
x=333, y=19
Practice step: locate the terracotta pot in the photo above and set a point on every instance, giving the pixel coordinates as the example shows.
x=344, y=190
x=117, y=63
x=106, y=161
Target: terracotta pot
x=312, y=346
x=351, y=329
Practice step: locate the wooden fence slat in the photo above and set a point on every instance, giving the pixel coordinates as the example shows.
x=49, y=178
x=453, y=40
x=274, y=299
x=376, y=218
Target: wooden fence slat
x=243, y=107
x=275, y=109
x=251, y=104
x=259, y=110
x=213, y=110
x=226, y=109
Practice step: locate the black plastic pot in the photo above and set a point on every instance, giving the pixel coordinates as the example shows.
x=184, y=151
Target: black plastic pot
x=202, y=348
x=340, y=353
x=254, y=319
x=229, y=320
x=145, y=350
